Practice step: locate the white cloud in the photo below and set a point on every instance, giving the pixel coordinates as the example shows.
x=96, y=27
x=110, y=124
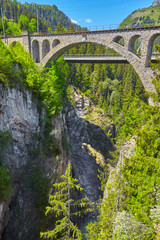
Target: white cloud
x=74, y=21
x=88, y=20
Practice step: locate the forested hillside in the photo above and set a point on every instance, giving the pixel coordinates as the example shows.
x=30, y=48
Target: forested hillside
x=19, y=17
x=112, y=87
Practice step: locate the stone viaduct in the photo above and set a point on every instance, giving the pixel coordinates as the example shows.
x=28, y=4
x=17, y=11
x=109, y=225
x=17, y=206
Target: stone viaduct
x=44, y=47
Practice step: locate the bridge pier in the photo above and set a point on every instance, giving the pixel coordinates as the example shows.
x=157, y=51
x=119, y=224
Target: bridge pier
x=26, y=41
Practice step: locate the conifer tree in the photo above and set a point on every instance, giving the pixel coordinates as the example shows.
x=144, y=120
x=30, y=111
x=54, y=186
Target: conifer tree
x=62, y=204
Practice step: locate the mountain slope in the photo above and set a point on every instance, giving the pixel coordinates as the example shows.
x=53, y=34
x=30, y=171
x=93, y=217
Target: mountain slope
x=142, y=17
x=49, y=16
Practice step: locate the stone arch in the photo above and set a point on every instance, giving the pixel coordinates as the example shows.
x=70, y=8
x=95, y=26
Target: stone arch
x=150, y=48
x=135, y=40
x=60, y=49
x=119, y=39
x=35, y=51
x=45, y=48
x=144, y=73
x=55, y=43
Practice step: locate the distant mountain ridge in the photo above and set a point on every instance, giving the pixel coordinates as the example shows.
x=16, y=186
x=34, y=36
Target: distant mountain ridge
x=49, y=16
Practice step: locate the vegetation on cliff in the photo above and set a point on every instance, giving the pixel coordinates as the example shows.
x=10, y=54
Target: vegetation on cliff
x=5, y=178
x=142, y=17
x=66, y=208
x=48, y=85
x=118, y=91
x=17, y=69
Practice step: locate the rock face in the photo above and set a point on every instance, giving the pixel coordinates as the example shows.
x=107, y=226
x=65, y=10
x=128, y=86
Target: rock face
x=156, y=3
x=81, y=132
x=19, y=219
x=4, y=215
x=127, y=151
x=19, y=115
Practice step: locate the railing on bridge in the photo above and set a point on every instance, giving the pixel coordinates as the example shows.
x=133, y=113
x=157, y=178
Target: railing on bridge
x=96, y=28
x=92, y=28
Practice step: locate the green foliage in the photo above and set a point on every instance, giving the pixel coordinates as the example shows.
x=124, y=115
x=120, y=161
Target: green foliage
x=115, y=88
x=129, y=122
x=156, y=79
x=23, y=22
x=127, y=228
x=120, y=94
x=5, y=139
x=139, y=187
x=29, y=73
x=33, y=25
x=40, y=186
x=62, y=204
x=20, y=16
x=6, y=189
x=49, y=86
x=60, y=28
x=142, y=17
x=141, y=172
x=6, y=64
x=50, y=144
x=103, y=228
x=12, y=29
x=53, y=89
x=5, y=178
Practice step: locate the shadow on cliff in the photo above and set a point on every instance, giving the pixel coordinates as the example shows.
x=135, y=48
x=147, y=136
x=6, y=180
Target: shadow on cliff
x=81, y=133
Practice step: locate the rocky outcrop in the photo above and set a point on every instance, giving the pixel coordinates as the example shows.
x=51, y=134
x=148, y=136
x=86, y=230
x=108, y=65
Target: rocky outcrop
x=127, y=151
x=80, y=133
x=19, y=114
x=4, y=215
x=156, y=3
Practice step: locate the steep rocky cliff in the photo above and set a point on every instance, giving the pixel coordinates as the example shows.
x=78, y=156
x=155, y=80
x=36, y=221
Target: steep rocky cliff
x=81, y=134
x=20, y=216
x=19, y=115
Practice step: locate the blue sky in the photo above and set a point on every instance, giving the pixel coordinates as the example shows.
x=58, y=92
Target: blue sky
x=96, y=13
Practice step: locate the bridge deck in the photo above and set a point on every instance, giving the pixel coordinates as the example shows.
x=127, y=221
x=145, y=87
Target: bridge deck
x=98, y=59
x=90, y=31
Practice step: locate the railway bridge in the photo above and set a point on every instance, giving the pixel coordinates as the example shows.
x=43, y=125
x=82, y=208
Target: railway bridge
x=44, y=47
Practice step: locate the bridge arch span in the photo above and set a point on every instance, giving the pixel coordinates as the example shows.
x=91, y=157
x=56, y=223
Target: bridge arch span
x=62, y=47
x=35, y=51
x=45, y=47
x=132, y=41
x=135, y=61
x=119, y=39
x=55, y=43
x=150, y=47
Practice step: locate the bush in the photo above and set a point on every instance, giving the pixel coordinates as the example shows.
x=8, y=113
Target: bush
x=5, y=184
x=127, y=228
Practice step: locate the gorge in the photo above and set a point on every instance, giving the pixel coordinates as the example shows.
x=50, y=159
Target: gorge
x=98, y=117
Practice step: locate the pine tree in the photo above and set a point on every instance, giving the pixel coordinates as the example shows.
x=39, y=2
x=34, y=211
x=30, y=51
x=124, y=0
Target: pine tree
x=62, y=204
